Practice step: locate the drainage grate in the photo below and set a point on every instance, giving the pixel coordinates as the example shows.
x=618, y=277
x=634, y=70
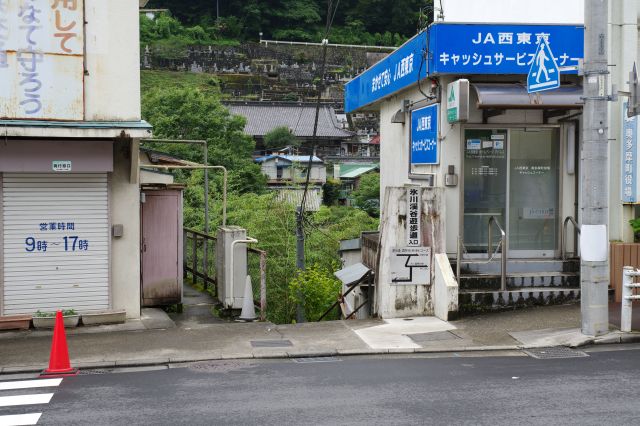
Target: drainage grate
x=555, y=352
x=92, y=372
x=311, y=359
x=271, y=343
x=432, y=337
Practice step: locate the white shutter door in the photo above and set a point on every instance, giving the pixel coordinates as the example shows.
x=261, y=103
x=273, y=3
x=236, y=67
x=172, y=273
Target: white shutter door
x=56, y=242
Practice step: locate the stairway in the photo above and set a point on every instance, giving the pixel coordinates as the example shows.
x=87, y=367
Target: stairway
x=529, y=282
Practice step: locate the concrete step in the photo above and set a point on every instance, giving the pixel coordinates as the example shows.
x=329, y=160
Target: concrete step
x=520, y=280
x=475, y=301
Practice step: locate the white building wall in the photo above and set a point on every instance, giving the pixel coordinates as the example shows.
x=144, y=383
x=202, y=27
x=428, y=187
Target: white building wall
x=124, y=209
x=112, y=83
x=513, y=11
x=623, y=52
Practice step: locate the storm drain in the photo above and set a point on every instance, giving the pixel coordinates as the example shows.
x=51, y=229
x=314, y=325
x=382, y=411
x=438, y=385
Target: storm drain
x=312, y=359
x=271, y=343
x=432, y=337
x=92, y=372
x=555, y=352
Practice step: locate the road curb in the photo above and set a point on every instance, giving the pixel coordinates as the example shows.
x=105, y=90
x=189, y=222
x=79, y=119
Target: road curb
x=612, y=338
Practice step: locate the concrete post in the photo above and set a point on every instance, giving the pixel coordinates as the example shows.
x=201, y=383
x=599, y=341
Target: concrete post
x=231, y=270
x=594, y=274
x=625, y=309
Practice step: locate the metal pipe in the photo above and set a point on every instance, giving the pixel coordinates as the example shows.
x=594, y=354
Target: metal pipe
x=503, y=257
x=458, y=258
x=248, y=240
x=302, y=43
x=563, y=236
x=205, y=245
x=224, y=185
x=263, y=285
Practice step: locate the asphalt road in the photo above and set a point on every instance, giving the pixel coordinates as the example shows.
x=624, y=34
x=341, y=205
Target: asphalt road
x=603, y=388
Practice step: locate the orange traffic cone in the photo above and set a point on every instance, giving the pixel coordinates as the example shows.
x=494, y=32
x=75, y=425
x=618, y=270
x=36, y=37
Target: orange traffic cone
x=59, y=364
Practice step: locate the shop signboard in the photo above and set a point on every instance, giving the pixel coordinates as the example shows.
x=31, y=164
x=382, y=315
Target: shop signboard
x=629, y=161
x=401, y=68
x=424, y=135
x=499, y=48
x=465, y=49
x=42, y=59
x=458, y=101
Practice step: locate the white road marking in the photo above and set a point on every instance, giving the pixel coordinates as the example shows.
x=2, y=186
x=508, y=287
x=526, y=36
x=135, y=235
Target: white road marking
x=20, y=419
x=27, y=384
x=39, y=398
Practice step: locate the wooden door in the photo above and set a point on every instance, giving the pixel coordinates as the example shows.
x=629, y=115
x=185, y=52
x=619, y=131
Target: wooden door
x=161, y=247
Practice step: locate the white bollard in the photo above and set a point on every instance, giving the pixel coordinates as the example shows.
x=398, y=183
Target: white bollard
x=625, y=311
x=248, y=308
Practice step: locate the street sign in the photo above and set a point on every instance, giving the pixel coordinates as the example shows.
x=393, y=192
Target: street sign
x=544, y=73
x=410, y=266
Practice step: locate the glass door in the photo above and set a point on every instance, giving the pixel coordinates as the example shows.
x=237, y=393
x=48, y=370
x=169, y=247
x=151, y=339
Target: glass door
x=533, y=192
x=514, y=176
x=485, y=185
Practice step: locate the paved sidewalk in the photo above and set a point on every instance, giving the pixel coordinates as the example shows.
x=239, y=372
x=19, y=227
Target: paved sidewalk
x=156, y=339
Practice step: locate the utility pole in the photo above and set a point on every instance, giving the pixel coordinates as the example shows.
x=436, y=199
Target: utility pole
x=300, y=259
x=594, y=271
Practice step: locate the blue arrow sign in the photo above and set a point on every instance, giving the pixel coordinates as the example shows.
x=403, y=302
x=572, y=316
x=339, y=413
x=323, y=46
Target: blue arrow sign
x=544, y=73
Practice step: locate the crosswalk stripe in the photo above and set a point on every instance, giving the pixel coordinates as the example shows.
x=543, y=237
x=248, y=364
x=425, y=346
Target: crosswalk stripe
x=38, y=398
x=26, y=384
x=20, y=419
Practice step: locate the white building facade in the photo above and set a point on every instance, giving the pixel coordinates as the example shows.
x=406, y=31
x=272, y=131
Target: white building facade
x=71, y=125
x=513, y=157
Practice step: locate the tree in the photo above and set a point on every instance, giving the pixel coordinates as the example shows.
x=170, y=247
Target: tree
x=280, y=137
x=187, y=113
x=367, y=195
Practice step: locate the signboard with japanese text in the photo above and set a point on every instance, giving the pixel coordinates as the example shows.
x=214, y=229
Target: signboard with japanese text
x=61, y=166
x=424, y=135
x=400, y=69
x=463, y=49
x=42, y=59
x=410, y=266
x=500, y=49
x=414, y=210
x=629, y=160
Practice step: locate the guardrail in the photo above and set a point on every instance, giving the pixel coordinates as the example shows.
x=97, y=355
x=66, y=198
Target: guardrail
x=628, y=286
x=199, y=257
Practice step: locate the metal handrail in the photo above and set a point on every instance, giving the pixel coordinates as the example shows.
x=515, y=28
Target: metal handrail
x=490, y=254
x=503, y=258
x=563, y=241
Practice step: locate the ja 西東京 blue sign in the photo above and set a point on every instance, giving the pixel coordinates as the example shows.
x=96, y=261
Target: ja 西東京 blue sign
x=544, y=73
x=500, y=49
x=464, y=49
x=424, y=135
x=401, y=68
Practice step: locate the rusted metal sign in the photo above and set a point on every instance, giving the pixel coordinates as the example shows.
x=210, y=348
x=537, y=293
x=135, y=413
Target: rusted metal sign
x=42, y=59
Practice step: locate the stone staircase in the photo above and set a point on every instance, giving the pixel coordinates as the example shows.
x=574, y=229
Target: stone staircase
x=529, y=282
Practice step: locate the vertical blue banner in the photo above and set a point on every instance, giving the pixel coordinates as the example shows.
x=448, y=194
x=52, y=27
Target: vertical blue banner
x=629, y=161
x=424, y=135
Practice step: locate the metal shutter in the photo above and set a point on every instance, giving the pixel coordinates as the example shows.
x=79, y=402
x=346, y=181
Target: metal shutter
x=58, y=275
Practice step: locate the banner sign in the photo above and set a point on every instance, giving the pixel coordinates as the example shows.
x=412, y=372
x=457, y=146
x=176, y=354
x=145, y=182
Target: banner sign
x=424, y=135
x=629, y=164
x=402, y=68
x=500, y=49
x=42, y=59
x=463, y=49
